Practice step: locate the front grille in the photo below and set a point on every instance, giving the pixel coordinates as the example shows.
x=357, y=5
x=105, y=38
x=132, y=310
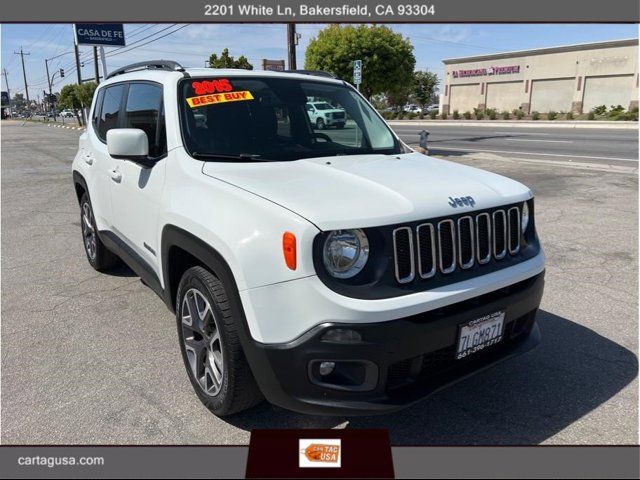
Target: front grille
x=403, y=252
x=461, y=243
x=499, y=234
x=426, y=250
x=483, y=238
x=446, y=246
x=466, y=244
x=514, y=230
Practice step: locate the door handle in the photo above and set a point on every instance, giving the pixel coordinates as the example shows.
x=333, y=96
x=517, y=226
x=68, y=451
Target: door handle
x=116, y=176
x=88, y=159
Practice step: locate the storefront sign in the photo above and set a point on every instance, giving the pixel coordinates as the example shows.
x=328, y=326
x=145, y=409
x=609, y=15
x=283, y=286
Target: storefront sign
x=273, y=65
x=479, y=72
x=99, y=34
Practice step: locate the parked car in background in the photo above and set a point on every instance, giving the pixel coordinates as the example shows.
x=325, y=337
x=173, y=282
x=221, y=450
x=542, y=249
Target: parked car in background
x=434, y=107
x=323, y=115
x=412, y=108
x=67, y=114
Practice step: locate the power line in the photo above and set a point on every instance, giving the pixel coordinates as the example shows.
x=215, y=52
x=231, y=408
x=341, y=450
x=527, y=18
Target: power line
x=112, y=54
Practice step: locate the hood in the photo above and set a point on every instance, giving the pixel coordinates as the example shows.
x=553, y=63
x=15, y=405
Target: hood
x=362, y=191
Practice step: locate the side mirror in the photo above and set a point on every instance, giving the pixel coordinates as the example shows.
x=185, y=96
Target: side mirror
x=129, y=144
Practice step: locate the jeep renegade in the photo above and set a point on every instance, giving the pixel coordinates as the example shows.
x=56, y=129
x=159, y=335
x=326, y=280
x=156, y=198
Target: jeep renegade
x=333, y=272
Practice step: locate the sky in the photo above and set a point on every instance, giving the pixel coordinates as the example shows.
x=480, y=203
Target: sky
x=191, y=44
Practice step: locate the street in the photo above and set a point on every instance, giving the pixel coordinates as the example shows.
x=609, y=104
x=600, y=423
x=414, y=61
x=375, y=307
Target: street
x=93, y=358
x=568, y=144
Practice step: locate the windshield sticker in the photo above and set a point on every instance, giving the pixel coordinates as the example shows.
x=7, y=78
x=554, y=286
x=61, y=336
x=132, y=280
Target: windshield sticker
x=219, y=85
x=203, y=100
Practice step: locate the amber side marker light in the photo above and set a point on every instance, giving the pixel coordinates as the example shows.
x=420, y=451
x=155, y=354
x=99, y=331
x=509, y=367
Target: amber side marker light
x=289, y=250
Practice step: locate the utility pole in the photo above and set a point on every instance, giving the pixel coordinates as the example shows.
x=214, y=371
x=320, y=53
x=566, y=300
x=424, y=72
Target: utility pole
x=291, y=45
x=24, y=73
x=6, y=82
x=104, y=62
x=95, y=64
x=77, y=54
x=46, y=66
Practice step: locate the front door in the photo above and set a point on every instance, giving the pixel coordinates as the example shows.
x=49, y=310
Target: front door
x=136, y=189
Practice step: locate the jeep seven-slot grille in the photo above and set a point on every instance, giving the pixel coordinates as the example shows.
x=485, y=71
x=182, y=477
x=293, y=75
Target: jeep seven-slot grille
x=452, y=244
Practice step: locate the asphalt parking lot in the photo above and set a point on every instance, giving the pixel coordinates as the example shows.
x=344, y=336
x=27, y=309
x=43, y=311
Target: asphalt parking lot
x=91, y=358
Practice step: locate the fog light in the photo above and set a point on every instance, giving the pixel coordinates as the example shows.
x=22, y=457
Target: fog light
x=342, y=335
x=326, y=368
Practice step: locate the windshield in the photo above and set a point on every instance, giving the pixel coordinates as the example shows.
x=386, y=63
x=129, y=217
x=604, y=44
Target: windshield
x=247, y=119
x=323, y=106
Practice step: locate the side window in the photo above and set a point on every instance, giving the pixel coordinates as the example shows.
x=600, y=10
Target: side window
x=144, y=111
x=96, y=107
x=108, y=118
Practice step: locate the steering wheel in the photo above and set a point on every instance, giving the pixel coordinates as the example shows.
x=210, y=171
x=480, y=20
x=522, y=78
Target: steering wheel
x=323, y=136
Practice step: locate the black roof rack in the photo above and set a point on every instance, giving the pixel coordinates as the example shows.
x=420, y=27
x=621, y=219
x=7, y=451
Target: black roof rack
x=150, y=65
x=317, y=73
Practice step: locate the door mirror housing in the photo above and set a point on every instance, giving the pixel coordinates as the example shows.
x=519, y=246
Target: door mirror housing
x=129, y=144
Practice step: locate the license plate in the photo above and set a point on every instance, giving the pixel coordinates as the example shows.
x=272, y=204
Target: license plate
x=480, y=333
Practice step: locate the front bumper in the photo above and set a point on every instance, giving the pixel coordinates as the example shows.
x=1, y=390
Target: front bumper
x=411, y=357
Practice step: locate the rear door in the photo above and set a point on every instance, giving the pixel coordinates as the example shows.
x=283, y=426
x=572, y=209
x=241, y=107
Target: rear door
x=136, y=190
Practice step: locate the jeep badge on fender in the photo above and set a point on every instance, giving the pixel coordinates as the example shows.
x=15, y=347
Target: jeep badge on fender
x=306, y=251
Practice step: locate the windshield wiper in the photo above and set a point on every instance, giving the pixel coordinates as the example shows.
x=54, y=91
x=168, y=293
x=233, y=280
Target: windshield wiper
x=246, y=157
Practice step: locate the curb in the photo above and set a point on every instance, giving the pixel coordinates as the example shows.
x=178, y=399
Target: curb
x=65, y=126
x=623, y=125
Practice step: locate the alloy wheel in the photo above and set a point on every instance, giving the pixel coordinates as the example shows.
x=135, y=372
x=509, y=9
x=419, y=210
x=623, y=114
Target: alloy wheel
x=202, y=342
x=88, y=231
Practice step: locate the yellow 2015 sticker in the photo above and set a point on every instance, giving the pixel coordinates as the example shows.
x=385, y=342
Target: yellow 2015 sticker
x=214, y=98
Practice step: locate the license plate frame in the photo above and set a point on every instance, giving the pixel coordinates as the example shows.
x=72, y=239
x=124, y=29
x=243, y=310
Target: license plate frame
x=470, y=334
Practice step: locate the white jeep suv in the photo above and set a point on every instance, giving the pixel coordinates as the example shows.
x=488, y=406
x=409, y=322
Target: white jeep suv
x=334, y=273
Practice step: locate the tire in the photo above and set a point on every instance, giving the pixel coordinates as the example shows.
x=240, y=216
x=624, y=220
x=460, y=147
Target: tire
x=320, y=125
x=99, y=256
x=210, y=345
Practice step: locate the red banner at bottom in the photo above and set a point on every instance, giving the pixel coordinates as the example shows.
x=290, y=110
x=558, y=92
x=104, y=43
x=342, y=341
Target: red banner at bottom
x=346, y=453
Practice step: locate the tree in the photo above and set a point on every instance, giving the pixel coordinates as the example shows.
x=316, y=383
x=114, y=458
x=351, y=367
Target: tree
x=70, y=100
x=77, y=97
x=227, y=61
x=425, y=85
x=398, y=96
x=19, y=102
x=387, y=57
x=84, y=92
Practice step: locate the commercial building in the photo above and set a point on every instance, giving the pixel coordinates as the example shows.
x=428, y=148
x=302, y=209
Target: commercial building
x=571, y=78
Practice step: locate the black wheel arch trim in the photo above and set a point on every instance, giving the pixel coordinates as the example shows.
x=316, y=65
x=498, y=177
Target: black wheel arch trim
x=209, y=257
x=78, y=180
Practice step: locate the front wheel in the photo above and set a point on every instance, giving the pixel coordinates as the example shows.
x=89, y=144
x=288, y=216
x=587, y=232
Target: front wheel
x=320, y=125
x=210, y=346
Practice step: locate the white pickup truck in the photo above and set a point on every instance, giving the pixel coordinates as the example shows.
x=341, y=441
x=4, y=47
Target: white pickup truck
x=332, y=274
x=324, y=115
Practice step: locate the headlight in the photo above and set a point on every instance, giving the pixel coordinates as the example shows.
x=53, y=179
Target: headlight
x=524, y=219
x=345, y=253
